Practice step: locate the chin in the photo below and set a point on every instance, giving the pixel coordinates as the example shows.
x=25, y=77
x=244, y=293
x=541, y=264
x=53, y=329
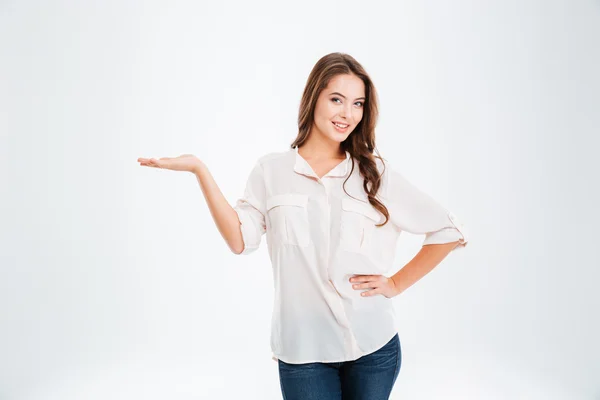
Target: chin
x=340, y=137
x=337, y=137
x=333, y=134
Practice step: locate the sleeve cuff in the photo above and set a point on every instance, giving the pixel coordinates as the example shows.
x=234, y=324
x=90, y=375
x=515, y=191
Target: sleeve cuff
x=447, y=235
x=247, y=231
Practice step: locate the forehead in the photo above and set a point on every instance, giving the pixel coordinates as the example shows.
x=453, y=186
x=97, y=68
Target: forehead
x=348, y=85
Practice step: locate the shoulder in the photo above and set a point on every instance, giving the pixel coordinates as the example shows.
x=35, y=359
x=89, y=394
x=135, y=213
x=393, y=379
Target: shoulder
x=384, y=167
x=391, y=174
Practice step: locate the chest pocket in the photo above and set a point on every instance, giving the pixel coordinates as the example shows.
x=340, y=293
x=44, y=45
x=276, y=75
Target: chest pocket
x=358, y=221
x=288, y=218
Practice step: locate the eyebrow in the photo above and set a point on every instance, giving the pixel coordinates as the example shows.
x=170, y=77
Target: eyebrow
x=339, y=94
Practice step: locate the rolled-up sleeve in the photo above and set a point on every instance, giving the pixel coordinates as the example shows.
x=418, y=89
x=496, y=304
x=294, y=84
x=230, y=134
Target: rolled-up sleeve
x=416, y=212
x=251, y=210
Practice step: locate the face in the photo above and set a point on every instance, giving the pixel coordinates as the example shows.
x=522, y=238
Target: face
x=341, y=102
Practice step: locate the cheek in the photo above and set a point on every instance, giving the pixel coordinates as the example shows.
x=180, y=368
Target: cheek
x=358, y=114
x=329, y=111
x=322, y=112
x=326, y=114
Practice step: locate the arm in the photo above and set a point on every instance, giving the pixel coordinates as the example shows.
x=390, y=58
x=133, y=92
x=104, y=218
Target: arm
x=416, y=212
x=225, y=217
x=424, y=261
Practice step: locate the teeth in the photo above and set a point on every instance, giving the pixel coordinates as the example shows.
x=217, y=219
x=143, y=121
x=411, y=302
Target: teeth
x=341, y=126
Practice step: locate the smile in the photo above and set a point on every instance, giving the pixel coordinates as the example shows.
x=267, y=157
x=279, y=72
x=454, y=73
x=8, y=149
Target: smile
x=340, y=127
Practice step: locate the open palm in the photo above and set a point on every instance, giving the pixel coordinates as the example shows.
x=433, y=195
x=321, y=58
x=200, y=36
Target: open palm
x=185, y=162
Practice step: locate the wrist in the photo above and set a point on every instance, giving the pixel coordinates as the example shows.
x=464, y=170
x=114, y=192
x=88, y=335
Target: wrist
x=397, y=288
x=198, y=167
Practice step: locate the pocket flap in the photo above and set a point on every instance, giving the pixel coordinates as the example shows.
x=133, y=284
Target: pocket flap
x=356, y=206
x=287, y=199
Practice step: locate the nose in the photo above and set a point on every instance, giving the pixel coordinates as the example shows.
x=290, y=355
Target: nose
x=345, y=112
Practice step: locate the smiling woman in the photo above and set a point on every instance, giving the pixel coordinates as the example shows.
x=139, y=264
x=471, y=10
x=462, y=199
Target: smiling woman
x=338, y=111
x=326, y=223
x=342, y=126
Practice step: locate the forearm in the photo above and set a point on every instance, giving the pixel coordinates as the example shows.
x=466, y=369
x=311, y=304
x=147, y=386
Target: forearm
x=223, y=214
x=424, y=261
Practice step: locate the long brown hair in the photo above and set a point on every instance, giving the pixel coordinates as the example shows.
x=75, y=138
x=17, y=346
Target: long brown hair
x=361, y=142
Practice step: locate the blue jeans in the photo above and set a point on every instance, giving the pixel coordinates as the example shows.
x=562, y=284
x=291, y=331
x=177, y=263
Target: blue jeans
x=371, y=377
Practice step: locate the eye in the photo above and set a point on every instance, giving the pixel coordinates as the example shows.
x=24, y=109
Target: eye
x=360, y=102
x=334, y=99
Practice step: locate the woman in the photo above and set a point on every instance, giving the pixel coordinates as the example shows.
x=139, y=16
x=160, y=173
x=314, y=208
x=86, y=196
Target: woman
x=332, y=213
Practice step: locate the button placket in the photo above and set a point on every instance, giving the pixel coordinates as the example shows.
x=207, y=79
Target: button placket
x=328, y=232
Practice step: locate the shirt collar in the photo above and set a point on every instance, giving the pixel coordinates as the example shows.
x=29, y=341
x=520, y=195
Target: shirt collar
x=303, y=167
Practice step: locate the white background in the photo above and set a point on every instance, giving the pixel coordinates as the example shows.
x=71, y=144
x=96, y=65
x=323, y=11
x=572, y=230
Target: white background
x=114, y=281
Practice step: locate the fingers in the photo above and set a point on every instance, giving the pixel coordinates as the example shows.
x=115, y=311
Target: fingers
x=373, y=283
x=155, y=163
x=150, y=162
x=366, y=285
x=371, y=291
x=365, y=278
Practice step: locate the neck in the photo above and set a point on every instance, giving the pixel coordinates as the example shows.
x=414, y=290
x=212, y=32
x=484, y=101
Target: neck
x=318, y=148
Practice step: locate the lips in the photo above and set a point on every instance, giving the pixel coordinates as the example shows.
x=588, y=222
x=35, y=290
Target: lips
x=340, y=125
x=340, y=129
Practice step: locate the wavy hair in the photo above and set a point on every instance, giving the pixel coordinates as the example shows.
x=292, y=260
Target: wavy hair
x=361, y=142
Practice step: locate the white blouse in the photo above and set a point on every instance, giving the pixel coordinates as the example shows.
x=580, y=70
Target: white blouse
x=318, y=237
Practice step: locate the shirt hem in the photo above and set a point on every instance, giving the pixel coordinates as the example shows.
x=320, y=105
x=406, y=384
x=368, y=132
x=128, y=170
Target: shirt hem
x=276, y=357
